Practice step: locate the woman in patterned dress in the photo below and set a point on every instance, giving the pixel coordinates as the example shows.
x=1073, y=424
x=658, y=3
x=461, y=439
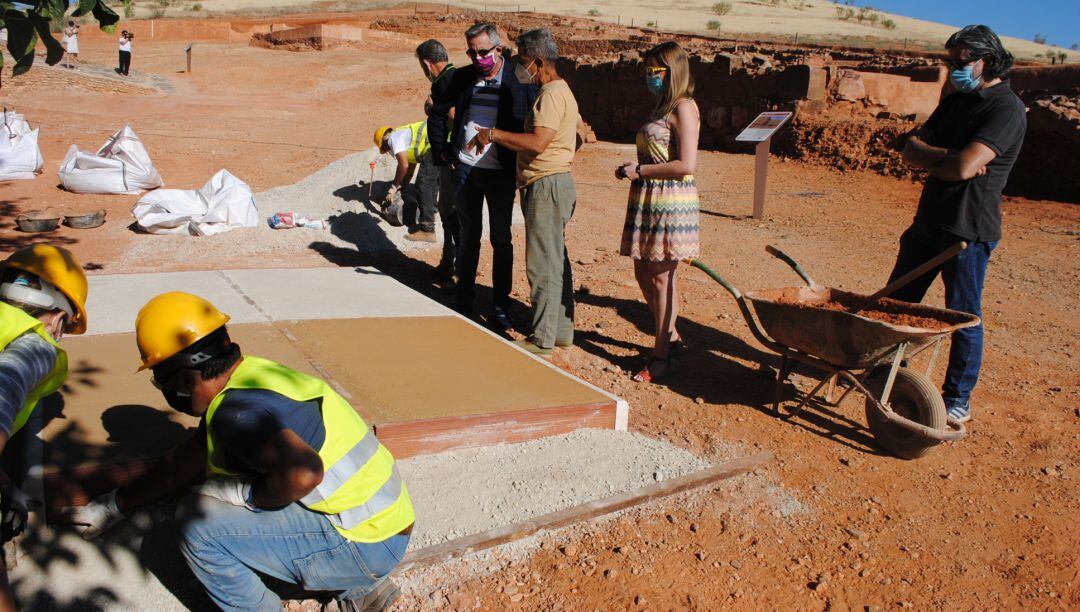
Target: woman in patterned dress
x=662, y=211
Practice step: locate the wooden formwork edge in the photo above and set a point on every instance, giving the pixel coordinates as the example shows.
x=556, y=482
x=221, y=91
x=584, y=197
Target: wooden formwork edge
x=439, y=553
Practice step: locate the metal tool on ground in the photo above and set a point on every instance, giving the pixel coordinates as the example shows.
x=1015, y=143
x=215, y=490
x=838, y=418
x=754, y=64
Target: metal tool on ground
x=371, y=183
x=904, y=410
x=895, y=286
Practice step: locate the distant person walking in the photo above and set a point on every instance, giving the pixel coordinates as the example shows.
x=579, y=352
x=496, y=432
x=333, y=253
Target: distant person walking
x=662, y=211
x=969, y=145
x=125, y=52
x=545, y=150
x=71, y=45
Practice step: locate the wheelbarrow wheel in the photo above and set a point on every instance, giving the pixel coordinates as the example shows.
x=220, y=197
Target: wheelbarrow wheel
x=913, y=397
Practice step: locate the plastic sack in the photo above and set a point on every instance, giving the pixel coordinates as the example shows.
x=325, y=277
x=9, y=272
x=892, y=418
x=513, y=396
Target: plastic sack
x=121, y=166
x=20, y=156
x=224, y=203
x=289, y=219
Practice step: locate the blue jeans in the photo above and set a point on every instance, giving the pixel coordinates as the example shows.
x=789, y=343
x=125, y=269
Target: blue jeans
x=474, y=185
x=963, y=277
x=226, y=545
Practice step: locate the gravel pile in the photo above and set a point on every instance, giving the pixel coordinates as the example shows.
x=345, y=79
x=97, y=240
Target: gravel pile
x=462, y=492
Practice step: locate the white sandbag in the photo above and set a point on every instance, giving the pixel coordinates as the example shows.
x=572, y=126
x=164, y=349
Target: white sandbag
x=20, y=156
x=225, y=202
x=14, y=124
x=121, y=166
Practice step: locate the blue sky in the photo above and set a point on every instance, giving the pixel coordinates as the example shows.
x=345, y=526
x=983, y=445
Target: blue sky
x=1058, y=20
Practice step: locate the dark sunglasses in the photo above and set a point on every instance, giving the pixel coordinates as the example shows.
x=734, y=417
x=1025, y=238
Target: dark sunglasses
x=961, y=64
x=480, y=52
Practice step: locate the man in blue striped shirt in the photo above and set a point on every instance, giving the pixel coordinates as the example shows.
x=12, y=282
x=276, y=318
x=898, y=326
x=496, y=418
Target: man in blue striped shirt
x=484, y=95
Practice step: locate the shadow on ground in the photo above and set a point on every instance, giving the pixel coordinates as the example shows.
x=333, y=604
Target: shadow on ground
x=714, y=370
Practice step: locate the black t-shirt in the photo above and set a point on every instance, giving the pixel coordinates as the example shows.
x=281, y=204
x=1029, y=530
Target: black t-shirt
x=971, y=209
x=247, y=418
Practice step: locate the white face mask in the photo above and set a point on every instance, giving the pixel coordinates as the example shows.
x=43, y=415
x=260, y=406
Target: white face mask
x=522, y=72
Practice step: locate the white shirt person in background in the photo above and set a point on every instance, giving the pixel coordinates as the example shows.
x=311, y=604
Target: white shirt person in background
x=124, y=44
x=71, y=45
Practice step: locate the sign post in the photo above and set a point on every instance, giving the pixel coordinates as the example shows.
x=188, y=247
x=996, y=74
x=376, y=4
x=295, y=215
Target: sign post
x=761, y=131
x=187, y=51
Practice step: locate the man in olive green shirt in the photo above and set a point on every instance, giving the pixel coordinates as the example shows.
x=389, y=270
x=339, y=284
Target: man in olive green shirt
x=545, y=151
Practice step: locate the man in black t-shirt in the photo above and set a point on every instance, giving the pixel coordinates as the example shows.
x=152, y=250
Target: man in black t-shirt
x=968, y=145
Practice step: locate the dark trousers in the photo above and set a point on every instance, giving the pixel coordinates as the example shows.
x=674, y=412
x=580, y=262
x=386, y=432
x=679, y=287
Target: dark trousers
x=421, y=198
x=448, y=217
x=548, y=205
x=963, y=277
x=474, y=185
x=125, y=62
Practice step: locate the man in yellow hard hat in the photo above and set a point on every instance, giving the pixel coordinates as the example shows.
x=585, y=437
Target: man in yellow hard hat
x=294, y=485
x=42, y=296
x=409, y=145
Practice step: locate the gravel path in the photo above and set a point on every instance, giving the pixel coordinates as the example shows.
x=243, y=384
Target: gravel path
x=467, y=491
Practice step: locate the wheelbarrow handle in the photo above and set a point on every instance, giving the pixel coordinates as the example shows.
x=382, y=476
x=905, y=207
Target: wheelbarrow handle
x=784, y=257
x=697, y=263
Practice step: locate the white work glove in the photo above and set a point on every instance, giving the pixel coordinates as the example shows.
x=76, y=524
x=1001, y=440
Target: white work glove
x=96, y=517
x=230, y=490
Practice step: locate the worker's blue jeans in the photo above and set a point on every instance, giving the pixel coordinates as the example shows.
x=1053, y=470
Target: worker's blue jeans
x=226, y=545
x=963, y=277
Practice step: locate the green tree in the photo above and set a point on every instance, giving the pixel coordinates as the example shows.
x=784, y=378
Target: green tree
x=28, y=22
x=1040, y=39
x=713, y=24
x=721, y=8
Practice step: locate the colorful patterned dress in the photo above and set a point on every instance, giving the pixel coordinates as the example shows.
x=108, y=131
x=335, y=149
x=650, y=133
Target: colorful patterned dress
x=661, y=214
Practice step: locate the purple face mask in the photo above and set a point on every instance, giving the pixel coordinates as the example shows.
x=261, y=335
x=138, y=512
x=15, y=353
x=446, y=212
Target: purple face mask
x=485, y=64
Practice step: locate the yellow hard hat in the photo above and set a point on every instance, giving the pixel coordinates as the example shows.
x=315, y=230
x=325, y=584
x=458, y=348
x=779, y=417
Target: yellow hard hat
x=171, y=322
x=380, y=134
x=59, y=267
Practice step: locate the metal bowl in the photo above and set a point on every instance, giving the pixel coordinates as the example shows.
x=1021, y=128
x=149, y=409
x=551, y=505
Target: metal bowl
x=86, y=221
x=37, y=221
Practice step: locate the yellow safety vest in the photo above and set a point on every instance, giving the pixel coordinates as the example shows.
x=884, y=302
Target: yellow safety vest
x=420, y=144
x=361, y=492
x=14, y=322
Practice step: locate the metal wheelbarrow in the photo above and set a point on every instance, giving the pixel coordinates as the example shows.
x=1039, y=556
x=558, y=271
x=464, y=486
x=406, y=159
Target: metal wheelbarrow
x=904, y=409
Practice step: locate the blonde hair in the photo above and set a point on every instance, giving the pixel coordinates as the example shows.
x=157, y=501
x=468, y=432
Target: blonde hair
x=680, y=84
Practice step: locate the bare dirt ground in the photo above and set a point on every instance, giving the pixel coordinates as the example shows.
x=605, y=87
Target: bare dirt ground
x=983, y=523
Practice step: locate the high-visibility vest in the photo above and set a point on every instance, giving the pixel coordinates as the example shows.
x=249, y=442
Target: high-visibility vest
x=420, y=144
x=361, y=492
x=14, y=322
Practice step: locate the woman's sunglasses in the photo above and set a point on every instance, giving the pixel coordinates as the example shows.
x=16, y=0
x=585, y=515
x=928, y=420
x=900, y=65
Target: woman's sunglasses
x=655, y=70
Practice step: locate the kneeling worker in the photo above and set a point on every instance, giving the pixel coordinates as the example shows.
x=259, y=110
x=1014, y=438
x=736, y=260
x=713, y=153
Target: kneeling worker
x=298, y=487
x=410, y=146
x=42, y=296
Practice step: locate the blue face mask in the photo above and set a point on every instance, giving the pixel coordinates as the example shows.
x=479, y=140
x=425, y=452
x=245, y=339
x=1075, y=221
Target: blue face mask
x=655, y=83
x=964, y=79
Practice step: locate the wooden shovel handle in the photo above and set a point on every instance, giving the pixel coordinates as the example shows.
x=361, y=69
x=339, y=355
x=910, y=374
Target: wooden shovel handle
x=892, y=287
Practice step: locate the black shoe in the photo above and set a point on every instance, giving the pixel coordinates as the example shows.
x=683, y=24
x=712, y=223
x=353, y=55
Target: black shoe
x=443, y=272
x=501, y=318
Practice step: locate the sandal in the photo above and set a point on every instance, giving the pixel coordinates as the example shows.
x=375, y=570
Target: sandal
x=646, y=374
x=678, y=347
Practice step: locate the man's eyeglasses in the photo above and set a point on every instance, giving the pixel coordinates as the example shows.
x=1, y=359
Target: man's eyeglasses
x=961, y=64
x=481, y=52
